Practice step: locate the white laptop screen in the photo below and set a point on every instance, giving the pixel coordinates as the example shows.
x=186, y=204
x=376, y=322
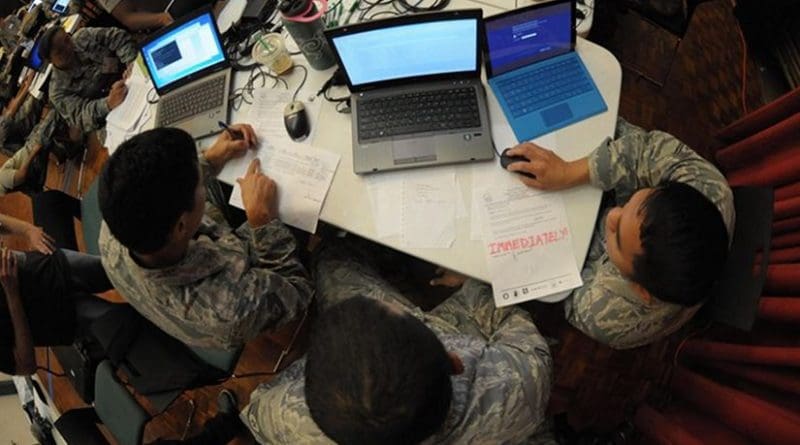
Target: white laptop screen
x=407, y=51
x=520, y=39
x=186, y=50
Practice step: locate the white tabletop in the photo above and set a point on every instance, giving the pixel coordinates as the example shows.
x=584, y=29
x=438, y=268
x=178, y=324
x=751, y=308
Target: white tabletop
x=348, y=205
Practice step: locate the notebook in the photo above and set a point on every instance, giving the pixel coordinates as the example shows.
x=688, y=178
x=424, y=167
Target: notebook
x=538, y=78
x=191, y=73
x=416, y=93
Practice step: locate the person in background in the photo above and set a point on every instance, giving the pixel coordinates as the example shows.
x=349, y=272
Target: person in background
x=379, y=370
x=88, y=69
x=20, y=115
x=133, y=16
x=659, y=244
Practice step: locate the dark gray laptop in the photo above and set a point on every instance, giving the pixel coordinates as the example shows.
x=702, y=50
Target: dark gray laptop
x=417, y=97
x=191, y=73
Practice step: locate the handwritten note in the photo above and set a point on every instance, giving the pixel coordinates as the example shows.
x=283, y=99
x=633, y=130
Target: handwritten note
x=303, y=177
x=528, y=244
x=429, y=209
x=266, y=114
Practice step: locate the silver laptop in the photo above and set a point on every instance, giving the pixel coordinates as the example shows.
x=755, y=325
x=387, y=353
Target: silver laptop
x=417, y=98
x=191, y=73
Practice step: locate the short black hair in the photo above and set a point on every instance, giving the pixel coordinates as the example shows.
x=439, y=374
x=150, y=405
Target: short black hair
x=376, y=376
x=684, y=243
x=146, y=185
x=46, y=42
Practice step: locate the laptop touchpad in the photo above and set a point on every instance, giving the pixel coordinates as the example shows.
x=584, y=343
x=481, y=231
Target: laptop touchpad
x=414, y=150
x=557, y=114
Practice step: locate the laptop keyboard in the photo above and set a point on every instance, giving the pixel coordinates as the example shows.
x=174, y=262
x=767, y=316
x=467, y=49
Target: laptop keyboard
x=418, y=112
x=206, y=95
x=538, y=88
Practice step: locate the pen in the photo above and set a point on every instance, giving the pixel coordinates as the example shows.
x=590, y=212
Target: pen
x=236, y=134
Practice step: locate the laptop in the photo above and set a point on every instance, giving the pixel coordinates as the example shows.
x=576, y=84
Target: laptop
x=191, y=73
x=416, y=93
x=60, y=6
x=33, y=61
x=538, y=78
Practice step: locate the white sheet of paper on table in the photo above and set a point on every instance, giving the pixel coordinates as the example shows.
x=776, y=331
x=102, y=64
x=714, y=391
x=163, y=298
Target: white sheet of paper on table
x=528, y=244
x=266, y=115
x=129, y=113
x=386, y=196
x=303, y=176
x=429, y=209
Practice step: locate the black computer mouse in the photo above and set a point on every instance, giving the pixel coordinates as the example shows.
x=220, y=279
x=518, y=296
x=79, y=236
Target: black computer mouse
x=295, y=119
x=506, y=160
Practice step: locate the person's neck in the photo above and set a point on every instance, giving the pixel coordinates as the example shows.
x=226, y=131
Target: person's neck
x=168, y=256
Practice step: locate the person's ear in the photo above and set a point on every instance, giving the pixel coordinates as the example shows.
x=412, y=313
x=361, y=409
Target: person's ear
x=180, y=227
x=646, y=296
x=457, y=364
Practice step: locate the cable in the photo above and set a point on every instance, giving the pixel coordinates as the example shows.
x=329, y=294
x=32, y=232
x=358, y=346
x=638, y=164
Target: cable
x=244, y=94
x=744, y=70
x=50, y=371
x=302, y=82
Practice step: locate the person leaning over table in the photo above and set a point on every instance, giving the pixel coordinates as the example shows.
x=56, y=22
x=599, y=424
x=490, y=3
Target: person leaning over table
x=87, y=80
x=660, y=244
x=379, y=370
x=173, y=256
x=134, y=16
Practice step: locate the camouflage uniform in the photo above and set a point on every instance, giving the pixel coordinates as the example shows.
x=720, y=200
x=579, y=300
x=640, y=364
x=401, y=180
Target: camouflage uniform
x=80, y=94
x=606, y=308
x=230, y=286
x=23, y=122
x=40, y=135
x=500, y=397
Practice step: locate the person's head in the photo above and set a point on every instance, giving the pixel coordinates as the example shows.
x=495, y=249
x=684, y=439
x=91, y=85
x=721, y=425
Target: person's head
x=150, y=191
x=56, y=47
x=670, y=241
x=376, y=374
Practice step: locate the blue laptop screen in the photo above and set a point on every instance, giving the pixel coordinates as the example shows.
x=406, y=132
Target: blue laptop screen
x=186, y=50
x=406, y=51
x=34, y=61
x=521, y=39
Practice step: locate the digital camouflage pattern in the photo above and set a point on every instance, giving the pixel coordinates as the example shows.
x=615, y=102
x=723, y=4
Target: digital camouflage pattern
x=40, y=135
x=500, y=398
x=606, y=308
x=79, y=95
x=230, y=286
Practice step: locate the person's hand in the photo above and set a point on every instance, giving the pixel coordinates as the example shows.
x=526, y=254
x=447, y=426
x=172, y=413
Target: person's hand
x=259, y=195
x=39, y=240
x=552, y=172
x=164, y=19
x=231, y=144
x=117, y=94
x=9, y=278
x=26, y=83
x=448, y=278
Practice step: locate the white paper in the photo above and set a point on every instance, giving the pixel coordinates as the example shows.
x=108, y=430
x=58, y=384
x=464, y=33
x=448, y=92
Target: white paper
x=528, y=244
x=303, y=176
x=429, y=209
x=129, y=113
x=386, y=195
x=266, y=114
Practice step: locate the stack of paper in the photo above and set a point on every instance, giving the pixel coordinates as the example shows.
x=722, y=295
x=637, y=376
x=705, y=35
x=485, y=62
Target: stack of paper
x=131, y=116
x=421, y=206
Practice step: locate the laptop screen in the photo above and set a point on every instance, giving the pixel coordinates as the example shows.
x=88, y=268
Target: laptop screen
x=34, y=61
x=60, y=6
x=189, y=48
x=410, y=50
x=520, y=39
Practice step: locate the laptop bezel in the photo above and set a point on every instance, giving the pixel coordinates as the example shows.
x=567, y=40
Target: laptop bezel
x=476, y=14
x=485, y=38
x=224, y=64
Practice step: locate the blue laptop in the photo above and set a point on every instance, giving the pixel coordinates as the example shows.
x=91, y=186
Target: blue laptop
x=534, y=71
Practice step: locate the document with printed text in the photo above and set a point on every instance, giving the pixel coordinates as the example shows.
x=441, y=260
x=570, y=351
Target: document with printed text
x=528, y=244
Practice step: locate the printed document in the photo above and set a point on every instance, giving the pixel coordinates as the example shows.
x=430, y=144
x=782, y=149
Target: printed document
x=528, y=244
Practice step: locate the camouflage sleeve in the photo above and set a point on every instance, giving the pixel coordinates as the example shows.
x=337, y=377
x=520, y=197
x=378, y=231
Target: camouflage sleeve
x=275, y=291
x=277, y=411
x=516, y=351
x=639, y=159
x=88, y=114
x=40, y=134
x=117, y=40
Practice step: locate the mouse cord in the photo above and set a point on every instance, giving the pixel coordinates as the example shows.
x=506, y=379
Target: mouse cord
x=302, y=82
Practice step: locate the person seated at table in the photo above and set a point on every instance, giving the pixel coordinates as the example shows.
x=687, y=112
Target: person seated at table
x=379, y=370
x=20, y=115
x=47, y=301
x=88, y=67
x=132, y=15
x=26, y=171
x=173, y=256
x=658, y=246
